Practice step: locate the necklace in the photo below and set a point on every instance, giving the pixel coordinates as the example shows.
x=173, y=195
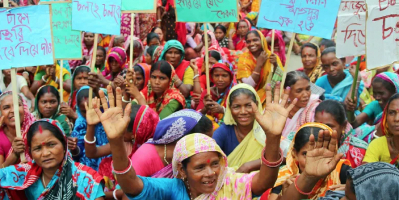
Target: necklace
x=189, y=191
x=164, y=156
x=44, y=182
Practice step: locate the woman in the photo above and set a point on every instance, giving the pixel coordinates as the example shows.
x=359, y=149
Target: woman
x=212, y=179
x=100, y=59
x=50, y=75
x=239, y=39
x=87, y=51
x=76, y=143
x=279, y=44
x=10, y=145
x=296, y=163
x=310, y=54
x=220, y=34
x=214, y=105
x=142, y=75
x=160, y=34
x=214, y=57
x=153, y=54
x=138, y=51
x=153, y=39
x=58, y=177
x=115, y=63
x=79, y=79
x=255, y=65
x=160, y=94
x=47, y=103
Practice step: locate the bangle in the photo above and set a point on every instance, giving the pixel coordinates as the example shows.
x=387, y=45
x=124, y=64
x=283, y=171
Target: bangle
x=56, y=79
x=272, y=164
x=124, y=171
x=257, y=73
x=125, y=101
x=300, y=191
x=114, y=194
x=77, y=153
x=181, y=83
x=25, y=72
x=196, y=76
x=90, y=142
x=159, y=20
x=44, y=80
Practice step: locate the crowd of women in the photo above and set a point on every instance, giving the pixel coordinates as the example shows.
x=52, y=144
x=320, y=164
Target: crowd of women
x=154, y=132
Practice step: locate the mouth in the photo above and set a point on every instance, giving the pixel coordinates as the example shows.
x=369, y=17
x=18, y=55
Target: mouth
x=47, y=160
x=209, y=183
x=253, y=48
x=243, y=119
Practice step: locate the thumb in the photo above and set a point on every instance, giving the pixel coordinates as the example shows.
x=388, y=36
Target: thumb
x=256, y=111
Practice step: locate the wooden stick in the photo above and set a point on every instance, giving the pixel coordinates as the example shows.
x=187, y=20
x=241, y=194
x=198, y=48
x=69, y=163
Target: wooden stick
x=61, y=81
x=288, y=57
x=270, y=76
x=350, y=114
x=131, y=40
x=15, y=100
x=93, y=65
x=208, y=83
x=5, y=3
x=272, y=47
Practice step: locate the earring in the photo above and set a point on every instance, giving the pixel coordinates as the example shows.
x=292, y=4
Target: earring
x=214, y=173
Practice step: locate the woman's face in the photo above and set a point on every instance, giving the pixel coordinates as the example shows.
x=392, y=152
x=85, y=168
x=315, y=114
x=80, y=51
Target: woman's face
x=136, y=52
x=47, y=151
x=332, y=65
x=301, y=91
x=221, y=79
x=212, y=60
x=209, y=39
x=301, y=156
x=173, y=56
x=309, y=58
x=7, y=73
x=48, y=105
x=381, y=93
x=82, y=108
x=89, y=39
x=276, y=44
x=241, y=109
x=159, y=32
x=7, y=111
x=100, y=58
x=393, y=117
x=114, y=65
x=159, y=82
x=330, y=120
x=243, y=29
x=154, y=41
x=81, y=80
x=139, y=80
x=202, y=172
x=253, y=43
x=219, y=34
x=148, y=59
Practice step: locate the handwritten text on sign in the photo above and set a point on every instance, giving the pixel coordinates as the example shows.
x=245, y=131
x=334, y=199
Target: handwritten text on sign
x=310, y=17
x=382, y=39
x=206, y=10
x=67, y=43
x=25, y=37
x=351, y=29
x=97, y=16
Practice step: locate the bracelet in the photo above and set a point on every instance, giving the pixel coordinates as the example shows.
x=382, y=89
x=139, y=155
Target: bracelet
x=181, y=83
x=196, y=76
x=159, y=20
x=300, y=191
x=257, y=73
x=272, y=164
x=44, y=80
x=56, y=79
x=114, y=194
x=121, y=172
x=125, y=101
x=77, y=153
x=90, y=142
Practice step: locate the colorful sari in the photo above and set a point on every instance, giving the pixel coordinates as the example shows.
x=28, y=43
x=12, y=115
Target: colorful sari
x=352, y=147
x=214, y=46
x=238, y=41
x=65, y=74
x=72, y=97
x=183, y=65
x=72, y=180
x=278, y=38
x=119, y=54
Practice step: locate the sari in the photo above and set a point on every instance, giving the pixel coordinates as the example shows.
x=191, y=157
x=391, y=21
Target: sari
x=278, y=36
x=291, y=168
x=352, y=147
x=156, y=55
x=65, y=74
x=253, y=142
x=72, y=97
x=119, y=54
x=183, y=65
x=79, y=132
x=247, y=63
x=214, y=47
x=238, y=41
x=72, y=180
x=146, y=69
x=318, y=70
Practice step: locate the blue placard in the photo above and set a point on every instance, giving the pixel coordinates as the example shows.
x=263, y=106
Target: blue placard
x=97, y=16
x=25, y=37
x=310, y=17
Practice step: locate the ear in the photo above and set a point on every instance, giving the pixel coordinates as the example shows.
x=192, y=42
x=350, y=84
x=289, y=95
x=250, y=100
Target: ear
x=181, y=171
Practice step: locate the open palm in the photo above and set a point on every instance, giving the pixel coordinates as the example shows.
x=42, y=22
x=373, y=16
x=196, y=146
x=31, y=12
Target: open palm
x=113, y=119
x=91, y=115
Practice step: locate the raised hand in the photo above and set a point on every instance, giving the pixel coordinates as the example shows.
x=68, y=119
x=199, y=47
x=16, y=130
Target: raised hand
x=276, y=112
x=91, y=115
x=323, y=158
x=113, y=119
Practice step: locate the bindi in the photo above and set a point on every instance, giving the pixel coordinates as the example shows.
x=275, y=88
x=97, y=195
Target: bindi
x=208, y=161
x=43, y=144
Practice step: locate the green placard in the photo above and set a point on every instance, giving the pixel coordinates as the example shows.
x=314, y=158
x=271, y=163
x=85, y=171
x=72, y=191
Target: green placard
x=139, y=6
x=67, y=43
x=207, y=10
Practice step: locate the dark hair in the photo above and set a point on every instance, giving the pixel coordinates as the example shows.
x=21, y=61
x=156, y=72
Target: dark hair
x=334, y=108
x=222, y=28
x=34, y=128
x=215, y=54
x=393, y=97
x=293, y=77
x=203, y=37
x=389, y=86
x=138, y=69
x=155, y=28
x=249, y=20
x=327, y=43
x=102, y=49
x=180, y=51
x=302, y=137
x=133, y=113
x=204, y=125
x=151, y=49
x=310, y=45
x=162, y=66
x=237, y=92
x=83, y=94
x=48, y=89
x=79, y=70
x=254, y=32
x=328, y=50
x=151, y=36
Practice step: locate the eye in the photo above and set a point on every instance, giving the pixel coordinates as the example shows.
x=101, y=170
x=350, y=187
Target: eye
x=304, y=153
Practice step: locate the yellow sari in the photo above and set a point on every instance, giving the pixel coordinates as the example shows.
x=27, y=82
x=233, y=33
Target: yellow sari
x=57, y=74
x=255, y=140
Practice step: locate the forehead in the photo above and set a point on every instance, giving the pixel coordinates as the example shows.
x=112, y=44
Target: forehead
x=308, y=50
x=327, y=58
x=48, y=95
x=242, y=99
x=220, y=70
x=252, y=36
x=157, y=73
x=324, y=117
x=45, y=136
x=203, y=157
x=394, y=105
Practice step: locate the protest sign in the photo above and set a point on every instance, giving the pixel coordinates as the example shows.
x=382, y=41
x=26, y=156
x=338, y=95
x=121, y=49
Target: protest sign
x=382, y=39
x=25, y=37
x=97, y=16
x=351, y=29
x=52, y=1
x=206, y=11
x=139, y=6
x=67, y=42
x=310, y=17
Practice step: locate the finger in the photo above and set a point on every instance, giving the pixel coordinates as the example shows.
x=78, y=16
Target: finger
x=118, y=97
x=268, y=94
x=103, y=100
x=94, y=103
x=255, y=111
x=311, y=141
x=277, y=93
x=320, y=139
x=333, y=141
x=327, y=138
x=98, y=112
x=98, y=102
x=126, y=115
x=87, y=107
x=111, y=97
x=285, y=96
x=292, y=105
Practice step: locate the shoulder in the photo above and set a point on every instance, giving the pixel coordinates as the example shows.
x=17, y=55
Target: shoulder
x=224, y=130
x=321, y=80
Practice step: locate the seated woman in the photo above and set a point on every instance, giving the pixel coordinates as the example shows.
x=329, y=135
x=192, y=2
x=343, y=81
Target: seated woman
x=50, y=75
x=198, y=155
x=153, y=54
x=55, y=177
x=76, y=143
x=160, y=93
x=116, y=61
x=22, y=87
x=310, y=55
x=10, y=145
x=255, y=65
x=220, y=34
x=100, y=60
x=47, y=106
x=279, y=44
x=239, y=38
x=160, y=34
x=214, y=105
x=87, y=51
x=153, y=39
x=296, y=163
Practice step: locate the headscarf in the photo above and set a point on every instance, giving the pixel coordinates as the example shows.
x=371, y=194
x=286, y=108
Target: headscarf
x=155, y=54
x=169, y=94
x=181, y=69
x=146, y=69
x=292, y=168
x=72, y=96
x=119, y=54
x=318, y=70
x=230, y=185
x=278, y=36
x=393, y=79
x=239, y=42
x=252, y=15
x=366, y=179
x=71, y=180
x=254, y=141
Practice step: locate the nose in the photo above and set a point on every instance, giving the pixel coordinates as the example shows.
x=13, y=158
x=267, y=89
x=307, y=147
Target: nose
x=396, y=119
x=209, y=171
x=157, y=81
x=243, y=110
x=46, y=151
